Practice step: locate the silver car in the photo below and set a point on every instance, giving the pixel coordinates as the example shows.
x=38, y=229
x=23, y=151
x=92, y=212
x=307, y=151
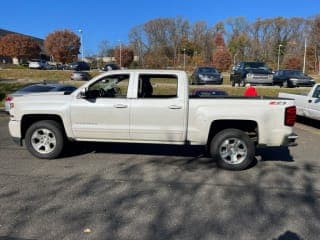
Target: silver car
x=37, y=64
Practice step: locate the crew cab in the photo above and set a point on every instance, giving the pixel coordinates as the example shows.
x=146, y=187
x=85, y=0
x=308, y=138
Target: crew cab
x=151, y=106
x=308, y=105
x=256, y=73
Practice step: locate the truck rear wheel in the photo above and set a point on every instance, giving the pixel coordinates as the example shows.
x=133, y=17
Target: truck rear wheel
x=232, y=149
x=45, y=139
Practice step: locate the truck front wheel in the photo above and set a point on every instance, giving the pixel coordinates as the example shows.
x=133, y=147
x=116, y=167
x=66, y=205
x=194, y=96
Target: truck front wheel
x=45, y=139
x=232, y=149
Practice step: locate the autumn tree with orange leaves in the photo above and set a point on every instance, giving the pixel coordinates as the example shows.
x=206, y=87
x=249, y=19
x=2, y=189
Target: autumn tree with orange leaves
x=292, y=63
x=19, y=46
x=63, y=46
x=221, y=58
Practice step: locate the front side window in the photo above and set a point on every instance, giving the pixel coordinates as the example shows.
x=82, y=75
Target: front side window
x=113, y=86
x=157, y=86
x=316, y=93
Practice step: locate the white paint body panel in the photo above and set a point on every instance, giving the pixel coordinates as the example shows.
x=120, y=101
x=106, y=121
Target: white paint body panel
x=173, y=120
x=307, y=105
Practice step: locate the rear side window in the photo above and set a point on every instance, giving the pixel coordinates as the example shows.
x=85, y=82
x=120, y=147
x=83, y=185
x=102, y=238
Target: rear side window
x=157, y=86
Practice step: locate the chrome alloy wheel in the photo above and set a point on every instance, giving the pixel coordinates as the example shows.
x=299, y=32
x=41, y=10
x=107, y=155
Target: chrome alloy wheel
x=233, y=151
x=43, y=141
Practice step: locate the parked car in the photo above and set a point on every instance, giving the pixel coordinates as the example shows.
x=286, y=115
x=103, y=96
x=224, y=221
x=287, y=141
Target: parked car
x=110, y=66
x=251, y=72
x=292, y=78
x=54, y=66
x=78, y=66
x=207, y=93
x=206, y=75
x=36, y=88
x=308, y=104
x=131, y=106
x=80, y=76
x=38, y=64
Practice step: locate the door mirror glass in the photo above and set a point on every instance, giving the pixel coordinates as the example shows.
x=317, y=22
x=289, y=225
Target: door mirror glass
x=83, y=93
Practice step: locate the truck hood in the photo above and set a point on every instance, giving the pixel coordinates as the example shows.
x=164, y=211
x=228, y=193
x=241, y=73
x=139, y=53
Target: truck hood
x=43, y=95
x=42, y=99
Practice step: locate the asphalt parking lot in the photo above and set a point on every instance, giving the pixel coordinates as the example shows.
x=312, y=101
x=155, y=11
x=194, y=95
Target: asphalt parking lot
x=121, y=191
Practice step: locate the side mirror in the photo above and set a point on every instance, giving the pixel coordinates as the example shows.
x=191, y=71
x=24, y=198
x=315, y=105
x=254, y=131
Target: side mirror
x=83, y=93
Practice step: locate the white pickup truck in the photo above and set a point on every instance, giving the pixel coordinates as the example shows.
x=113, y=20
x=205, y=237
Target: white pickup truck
x=308, y=105
x=152, y=106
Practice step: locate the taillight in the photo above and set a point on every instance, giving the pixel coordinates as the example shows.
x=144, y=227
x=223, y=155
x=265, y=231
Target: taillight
x=290, y=116
x=9, y=98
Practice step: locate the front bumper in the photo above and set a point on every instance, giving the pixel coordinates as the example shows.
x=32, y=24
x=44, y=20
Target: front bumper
x=210, y=81
x=259, y=81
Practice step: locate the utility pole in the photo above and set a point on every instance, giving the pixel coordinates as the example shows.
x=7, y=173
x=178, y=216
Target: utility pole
x=279, y=47
x=305, y=55
x=81, y=42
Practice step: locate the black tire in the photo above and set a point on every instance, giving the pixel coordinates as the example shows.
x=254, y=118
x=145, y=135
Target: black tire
x=49, y=137
x=234, y=143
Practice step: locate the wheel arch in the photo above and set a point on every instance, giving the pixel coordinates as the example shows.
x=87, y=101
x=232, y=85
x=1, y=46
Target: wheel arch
x=250, y=127
x=28, y=120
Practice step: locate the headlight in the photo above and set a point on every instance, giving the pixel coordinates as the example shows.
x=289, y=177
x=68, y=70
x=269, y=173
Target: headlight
x=201, y=76
x=249, y=75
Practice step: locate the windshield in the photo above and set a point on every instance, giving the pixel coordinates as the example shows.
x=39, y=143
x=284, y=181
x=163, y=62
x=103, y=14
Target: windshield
x=256, y=65
x=207, y=71
x=294, y=73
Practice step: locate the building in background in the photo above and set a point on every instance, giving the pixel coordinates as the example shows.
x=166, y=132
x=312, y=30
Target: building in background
x=40, y=41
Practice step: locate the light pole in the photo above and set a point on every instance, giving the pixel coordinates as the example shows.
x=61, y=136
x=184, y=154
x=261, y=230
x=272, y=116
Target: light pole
x=279, y=47
x=184, y=59
x=120, y=61
x=81, y=42
x=304, y=55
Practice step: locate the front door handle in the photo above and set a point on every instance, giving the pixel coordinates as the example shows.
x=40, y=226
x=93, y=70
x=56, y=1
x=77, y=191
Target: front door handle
x=309, y=101
x=120, y=106
x=175, y=107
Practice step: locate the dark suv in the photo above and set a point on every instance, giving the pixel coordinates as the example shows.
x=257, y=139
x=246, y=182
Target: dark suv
x=78, y=66
x=251, y=72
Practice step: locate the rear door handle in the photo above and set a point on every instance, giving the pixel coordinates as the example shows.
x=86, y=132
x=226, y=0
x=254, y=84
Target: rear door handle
x=120, y=106
x=175, y=107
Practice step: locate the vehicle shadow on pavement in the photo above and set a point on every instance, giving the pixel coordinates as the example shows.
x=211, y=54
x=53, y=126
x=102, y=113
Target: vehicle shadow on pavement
x=274, y=154
x=288, y=235
x=309, y=122
x=79, y=148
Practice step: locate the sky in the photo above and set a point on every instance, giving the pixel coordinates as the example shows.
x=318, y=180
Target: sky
x=112, y=20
